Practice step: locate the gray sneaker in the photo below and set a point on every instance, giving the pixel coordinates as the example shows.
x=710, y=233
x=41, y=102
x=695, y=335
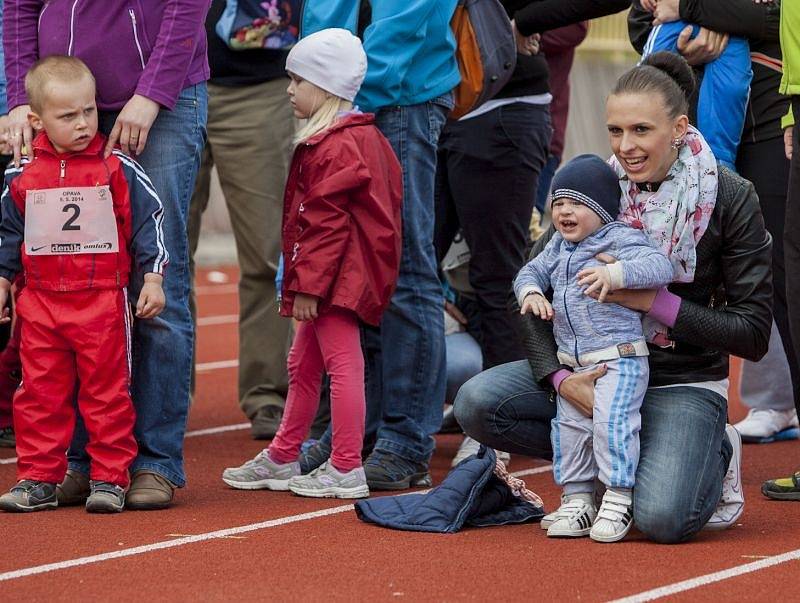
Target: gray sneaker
x=29, y=495
x=261, y=473
x=327, y=482
x=105, y=497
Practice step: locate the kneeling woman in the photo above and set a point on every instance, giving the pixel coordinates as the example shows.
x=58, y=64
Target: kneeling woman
x=708, y=220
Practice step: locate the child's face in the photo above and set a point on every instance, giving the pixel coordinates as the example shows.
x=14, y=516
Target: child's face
x=574, y=220
x=305, y=97
x=68, y=115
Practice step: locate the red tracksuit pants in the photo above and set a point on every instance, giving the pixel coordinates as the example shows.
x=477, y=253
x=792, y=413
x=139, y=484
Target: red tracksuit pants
x=74, y=342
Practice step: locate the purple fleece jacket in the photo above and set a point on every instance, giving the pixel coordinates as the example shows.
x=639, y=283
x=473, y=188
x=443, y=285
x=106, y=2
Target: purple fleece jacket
x=154, y=48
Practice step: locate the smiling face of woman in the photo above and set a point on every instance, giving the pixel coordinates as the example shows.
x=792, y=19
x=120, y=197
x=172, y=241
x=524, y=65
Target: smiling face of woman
x=641, y=133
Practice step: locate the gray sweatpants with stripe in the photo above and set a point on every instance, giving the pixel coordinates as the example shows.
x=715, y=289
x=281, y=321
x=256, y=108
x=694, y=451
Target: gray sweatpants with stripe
x=606, y=445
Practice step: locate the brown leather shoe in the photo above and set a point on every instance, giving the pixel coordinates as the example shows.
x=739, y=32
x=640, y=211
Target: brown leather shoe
x=149, y=490
x=74, y=490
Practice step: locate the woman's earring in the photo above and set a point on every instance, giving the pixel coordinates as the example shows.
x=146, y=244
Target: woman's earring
x=677, y=143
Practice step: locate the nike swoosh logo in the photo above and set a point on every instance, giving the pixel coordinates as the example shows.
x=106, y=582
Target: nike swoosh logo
x=35, y=249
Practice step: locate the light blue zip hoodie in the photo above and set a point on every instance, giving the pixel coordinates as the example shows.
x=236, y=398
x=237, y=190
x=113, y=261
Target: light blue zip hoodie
x=410, y=47
x=582, y=324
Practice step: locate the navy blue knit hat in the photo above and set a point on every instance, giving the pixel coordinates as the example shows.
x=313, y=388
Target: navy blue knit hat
x=590, y=180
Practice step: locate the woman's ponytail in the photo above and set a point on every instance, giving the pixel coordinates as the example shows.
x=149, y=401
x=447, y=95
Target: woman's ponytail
x=665, y=73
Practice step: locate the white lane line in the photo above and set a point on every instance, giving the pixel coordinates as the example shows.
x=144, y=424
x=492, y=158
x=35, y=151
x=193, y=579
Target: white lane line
x=215, y=535
x=216, y=289
x=203, y=367
x=221, y=319
x=213, y=430
x=719, y=576
x=148, y=548
x=189, y=434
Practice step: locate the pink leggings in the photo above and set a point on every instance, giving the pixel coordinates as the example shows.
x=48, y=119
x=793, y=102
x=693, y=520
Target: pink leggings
x=331, y=342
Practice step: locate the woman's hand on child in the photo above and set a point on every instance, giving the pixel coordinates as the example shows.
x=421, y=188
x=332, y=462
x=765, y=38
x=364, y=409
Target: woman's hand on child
x=665, y=11
x=151, y=298
x=537, y=304
x=705, y=47
x=305, y=307
x=578, y=389
x=597, y=281
x=20, y=132
x=133, y=125
x=649, y=5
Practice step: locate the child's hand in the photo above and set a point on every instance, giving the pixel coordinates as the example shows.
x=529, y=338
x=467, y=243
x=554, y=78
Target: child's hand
x=787, y=142
x=597, y=279
x=5, y=287
x=151, y=298
x=666, y=11
x=649, y=5
x=537, y=304
x=305, y=307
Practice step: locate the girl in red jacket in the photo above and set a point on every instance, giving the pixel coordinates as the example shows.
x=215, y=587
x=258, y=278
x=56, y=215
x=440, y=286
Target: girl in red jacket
x=341, y=248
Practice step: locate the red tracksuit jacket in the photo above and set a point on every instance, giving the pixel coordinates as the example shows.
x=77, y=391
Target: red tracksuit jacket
x=137, y=209
x=341, y=219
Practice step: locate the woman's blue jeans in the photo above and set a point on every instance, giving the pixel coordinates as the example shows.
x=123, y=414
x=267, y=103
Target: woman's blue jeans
x=162, y=346
x=684, y=451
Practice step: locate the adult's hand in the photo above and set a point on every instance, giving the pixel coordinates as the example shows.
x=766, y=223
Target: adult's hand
x=455, y=313
x=704, y=48
x=578, y=389
x=19, y=132
x=666, y=11
x=527, y=45
x=5, y=146
x=133, y=125
x=787, y=142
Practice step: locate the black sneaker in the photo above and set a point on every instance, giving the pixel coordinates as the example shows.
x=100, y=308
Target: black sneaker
x=786, y=488
x=105, y=497
x=29, y=495
x=7, y=439
x=387, y=471
x=312, y=458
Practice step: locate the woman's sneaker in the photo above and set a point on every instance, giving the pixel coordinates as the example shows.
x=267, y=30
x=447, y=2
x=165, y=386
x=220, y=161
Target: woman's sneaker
x=615, y=517
x=328, y=482
x=105, y=497
x=29, y=495
x=574, y=518
x=261, y=473
x=731, y=503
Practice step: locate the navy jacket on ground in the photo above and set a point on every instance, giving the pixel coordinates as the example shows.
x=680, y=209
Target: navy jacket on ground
x=471, y=494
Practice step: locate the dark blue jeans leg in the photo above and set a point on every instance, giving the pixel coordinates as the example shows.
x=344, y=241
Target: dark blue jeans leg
x=684, y=458
x=162, y=347
x=412, y=378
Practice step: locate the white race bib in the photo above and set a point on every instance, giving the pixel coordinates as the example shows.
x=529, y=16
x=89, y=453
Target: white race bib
x=62, y=221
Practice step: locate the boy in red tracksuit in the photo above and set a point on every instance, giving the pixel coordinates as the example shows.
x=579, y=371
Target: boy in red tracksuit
x=74, y=222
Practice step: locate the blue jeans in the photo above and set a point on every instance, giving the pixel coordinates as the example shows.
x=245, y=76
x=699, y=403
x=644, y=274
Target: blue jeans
x=464, y=361
x=407, y=385
x=684, y=451
x=162, y=347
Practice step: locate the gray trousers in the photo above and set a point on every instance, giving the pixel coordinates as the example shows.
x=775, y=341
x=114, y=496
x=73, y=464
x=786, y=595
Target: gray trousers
x=250, y=132
x=606, y=445
x=767, y=384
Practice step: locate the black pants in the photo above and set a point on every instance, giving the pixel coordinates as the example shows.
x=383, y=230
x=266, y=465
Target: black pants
x=791, y=237
x=487, y=174
x=765, y=165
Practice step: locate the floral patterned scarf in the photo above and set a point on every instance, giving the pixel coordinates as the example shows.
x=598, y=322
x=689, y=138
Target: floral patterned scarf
x=676, y=215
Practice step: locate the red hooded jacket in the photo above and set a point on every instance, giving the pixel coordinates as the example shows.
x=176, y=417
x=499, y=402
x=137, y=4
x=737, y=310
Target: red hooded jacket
x=341, y=219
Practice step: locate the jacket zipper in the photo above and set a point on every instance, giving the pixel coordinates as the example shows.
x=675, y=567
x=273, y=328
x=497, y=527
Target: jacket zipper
x=63, y=172
x=62, y=175
x=72, y=28
x=41, y=14
x=136, y=36
x=566, y=310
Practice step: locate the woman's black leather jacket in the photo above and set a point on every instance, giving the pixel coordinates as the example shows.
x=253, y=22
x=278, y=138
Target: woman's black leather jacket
x=726, y=310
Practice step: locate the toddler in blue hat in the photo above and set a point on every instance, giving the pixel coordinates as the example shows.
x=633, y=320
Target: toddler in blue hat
x=585, y=204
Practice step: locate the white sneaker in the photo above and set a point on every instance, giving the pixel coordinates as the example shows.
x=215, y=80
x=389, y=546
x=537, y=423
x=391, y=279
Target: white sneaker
x=762, y=426
x=731, y=503
x=326, y=481
x=615, y=517
x=574, y=518
x=261, y=473
x=470, y=447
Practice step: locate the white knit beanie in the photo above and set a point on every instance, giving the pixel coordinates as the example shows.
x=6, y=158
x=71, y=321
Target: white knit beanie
x=332, y=59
